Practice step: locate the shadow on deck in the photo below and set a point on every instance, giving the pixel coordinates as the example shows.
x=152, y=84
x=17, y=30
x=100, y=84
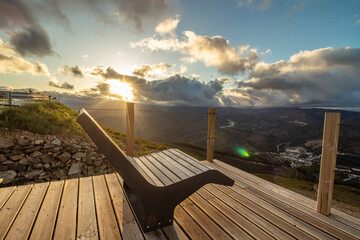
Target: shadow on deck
x=95, y=207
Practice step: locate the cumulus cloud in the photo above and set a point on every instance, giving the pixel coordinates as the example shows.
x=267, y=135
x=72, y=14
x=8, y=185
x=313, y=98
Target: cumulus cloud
x=55, y=83
x=224, y=80
x=322, y=76
x=168, y=26
x=213, y=51
x=73, y=71
x=147, y=70
x=10, y=62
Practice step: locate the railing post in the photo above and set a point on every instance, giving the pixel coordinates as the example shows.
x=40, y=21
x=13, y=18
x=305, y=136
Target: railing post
x=328, y=163
x=210, y=135
x=9, y=98
x=130, y=128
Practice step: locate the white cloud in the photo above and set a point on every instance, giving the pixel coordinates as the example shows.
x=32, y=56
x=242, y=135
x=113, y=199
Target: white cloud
x=213, y=51
x=10, y=62
x=168, y=26
x=259, y=5
x=183, y=69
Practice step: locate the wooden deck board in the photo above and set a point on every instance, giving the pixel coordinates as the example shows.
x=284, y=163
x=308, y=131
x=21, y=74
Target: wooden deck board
x=96, y=208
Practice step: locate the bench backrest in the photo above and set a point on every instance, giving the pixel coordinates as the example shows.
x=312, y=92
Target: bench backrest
x=126, y=167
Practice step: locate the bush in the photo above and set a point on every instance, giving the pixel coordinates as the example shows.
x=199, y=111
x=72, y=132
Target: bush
x=43, y=118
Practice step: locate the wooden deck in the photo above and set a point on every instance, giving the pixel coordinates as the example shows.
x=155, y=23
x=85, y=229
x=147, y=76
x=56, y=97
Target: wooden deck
x=95, y=207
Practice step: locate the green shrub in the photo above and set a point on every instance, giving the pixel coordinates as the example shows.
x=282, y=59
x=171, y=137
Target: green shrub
x=43, y=118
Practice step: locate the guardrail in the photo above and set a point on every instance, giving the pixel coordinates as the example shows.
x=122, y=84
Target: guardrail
x=8, y=98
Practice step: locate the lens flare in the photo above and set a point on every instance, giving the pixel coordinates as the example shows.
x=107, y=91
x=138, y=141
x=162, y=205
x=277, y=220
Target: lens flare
x=242, y=152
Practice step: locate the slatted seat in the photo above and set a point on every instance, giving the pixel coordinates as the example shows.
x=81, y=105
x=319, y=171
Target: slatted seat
x=153, y=203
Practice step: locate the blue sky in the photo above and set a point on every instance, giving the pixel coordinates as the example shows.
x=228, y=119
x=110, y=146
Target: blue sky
x=245, y=53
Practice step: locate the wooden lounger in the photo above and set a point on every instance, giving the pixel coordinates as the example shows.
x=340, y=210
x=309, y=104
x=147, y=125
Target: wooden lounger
x=152, y=205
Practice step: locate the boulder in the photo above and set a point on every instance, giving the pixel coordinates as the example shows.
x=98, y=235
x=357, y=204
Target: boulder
x=6, y=142
x=8, y=176
x=32, y=173
x=17, y=157
x=64, y=157
x=56, y=142
x=74, y=169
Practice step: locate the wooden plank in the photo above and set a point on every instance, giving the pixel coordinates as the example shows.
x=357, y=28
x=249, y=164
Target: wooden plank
x=295, y=208
x=252, y=229
x=328, y=162
x=107, y=224
x=174, y=232
x=130, y=128
x=277, y=211
x=161, y=176
x=267, y=215
x=156, y=234
x=307, y=202
x=192, y=229
x=163, y=168
x=66, y=221
x=190, y=159
x=5, y=193
x=11, y=208
x=182, y=161
x=210, y=135
x=26, y=217
x=219, y=218
x=164, y=159
x=45, y=221
x=266, y=226
x=86, y=223
x=128, y=226
x=211, y=228
x=150, y=176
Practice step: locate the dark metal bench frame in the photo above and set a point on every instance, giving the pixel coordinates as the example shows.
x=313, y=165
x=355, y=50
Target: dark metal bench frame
x=152, y=205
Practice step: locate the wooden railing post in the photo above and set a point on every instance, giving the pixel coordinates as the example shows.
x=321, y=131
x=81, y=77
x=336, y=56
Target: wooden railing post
x=328, y=162
x=9, y=98
x=210, y=135
x=130, y=128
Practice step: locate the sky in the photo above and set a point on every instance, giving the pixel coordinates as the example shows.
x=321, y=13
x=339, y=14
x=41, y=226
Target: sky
x=235, y=53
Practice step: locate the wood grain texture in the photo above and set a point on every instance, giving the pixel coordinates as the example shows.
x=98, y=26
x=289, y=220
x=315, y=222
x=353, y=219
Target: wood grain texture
x=5, y=193
x=86, y=222
x=328, y=162
x=45, y=221
x=25, y=219
x=12, y=207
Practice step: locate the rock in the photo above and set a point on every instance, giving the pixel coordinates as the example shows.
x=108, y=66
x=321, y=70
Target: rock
x=56, y=149
x=38, y=142
x=56, y=142
x=46, y=159
x=6, y=142
x=18, y=167
x=47, y=146
x=8, y=176
x=38, y=165
x=74, y=169
x=59, y=173
x=24, y=142
x=33, y=149
x=46, y=165
x=4, y=168
x=32, y=173
x=2, y=158
x=79, y=155
x=34, y=161
x=36, y=154
x=25, y=161
x=101, y=169
x=64, y=157
x=7, y=162
x=17, y=157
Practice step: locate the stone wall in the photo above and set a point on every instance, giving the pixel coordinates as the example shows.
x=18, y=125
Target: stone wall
x=26, y=157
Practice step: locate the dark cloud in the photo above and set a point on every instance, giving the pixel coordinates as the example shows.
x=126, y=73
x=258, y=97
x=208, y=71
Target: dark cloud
x=145, y=70
x=64, y=85
x=319, y=77
x=110, y=73
x=73, y=71
x=32, y=41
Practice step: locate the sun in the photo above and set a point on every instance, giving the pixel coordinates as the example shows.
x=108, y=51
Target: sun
x=122, y=89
